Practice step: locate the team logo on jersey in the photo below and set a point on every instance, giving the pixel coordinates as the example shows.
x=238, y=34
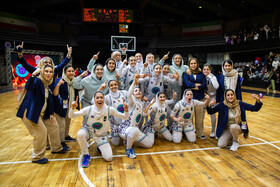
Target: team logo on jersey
x=187, y=115
x=138, y=118
x=162, y=117
x=97, y=125
x=155, y=90
x=120, y=108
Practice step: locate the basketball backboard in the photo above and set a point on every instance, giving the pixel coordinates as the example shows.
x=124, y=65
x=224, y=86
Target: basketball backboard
x=128, y=42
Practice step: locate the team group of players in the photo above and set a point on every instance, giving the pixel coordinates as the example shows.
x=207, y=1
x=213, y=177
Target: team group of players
x=133, y=100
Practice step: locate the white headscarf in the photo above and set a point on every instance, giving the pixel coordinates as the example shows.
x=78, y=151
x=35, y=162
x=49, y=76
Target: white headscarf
x=98, y=113
x=132, y=69
x=116, y=94
x=174, y=64
x=150, y=66
x=183, y=100
x=158, y=103
x=155, y=77
x=140, y=64
x=136, y=101
x=106, y=70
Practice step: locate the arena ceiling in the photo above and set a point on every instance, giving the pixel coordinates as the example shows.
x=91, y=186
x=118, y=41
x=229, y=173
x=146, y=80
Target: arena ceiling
x=154, y=11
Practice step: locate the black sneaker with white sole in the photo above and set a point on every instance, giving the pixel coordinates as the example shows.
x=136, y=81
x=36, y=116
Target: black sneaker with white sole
x=70, y=139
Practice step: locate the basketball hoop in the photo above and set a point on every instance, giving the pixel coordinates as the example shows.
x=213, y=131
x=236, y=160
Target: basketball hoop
x=123, y=44
x=123, y=50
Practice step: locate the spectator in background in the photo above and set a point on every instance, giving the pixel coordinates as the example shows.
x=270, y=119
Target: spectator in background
x=80, y=71
x=275, y=33
x=264, y=75
x=256, y=36
x=272, y=78
x=262, y=34
x=268, y=32
x=227, y=39
x=269, y=64
x=250, y=37
x=239, y=39
x=244, y=37
x=279, y=32
x=271, y=56
x=240, y=70
x=76, y=72
x=233, y=39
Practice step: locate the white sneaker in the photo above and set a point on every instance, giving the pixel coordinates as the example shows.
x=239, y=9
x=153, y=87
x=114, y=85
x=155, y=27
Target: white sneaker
x=274, y=91
x=212, y=135
x=234, y=146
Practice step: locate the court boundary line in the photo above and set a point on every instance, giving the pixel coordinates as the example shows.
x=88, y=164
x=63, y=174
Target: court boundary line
x=86, y=179
x=264, y=142
x=82, y=173
x=89, y=183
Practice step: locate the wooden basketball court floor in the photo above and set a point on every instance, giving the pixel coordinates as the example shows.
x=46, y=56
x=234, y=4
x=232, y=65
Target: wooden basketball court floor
x=256, y=163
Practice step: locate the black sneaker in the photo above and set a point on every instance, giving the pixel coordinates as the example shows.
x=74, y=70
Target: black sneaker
x=64, y=145
x=41, y=161
x=60, y=152
x=70, y=139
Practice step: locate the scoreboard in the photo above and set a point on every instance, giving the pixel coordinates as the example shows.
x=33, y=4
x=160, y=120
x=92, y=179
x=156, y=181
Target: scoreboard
x=109, y=15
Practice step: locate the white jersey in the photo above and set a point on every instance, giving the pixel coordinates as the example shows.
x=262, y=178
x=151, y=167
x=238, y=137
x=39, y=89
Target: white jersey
x=127, y=73
x=168, y=88
x=116, y=103
x=98, y=127
x=118, y=65
x=158, y=114
x=135, y=112
x=158, y=117
x=185, y=111
x=156, y=84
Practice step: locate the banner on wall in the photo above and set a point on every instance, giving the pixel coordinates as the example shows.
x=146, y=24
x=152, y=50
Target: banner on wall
x=19, y=74
x=16, y=22
x=202, y=29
